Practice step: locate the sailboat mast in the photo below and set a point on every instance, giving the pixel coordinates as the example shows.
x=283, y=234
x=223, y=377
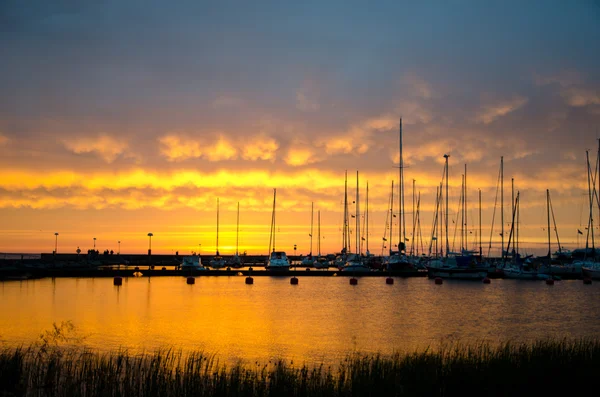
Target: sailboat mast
x=502, y=206
x=466, y=212
x=346, y=242
x=402, y=220
x=392, y=219
x=591, y=221
x=447, y=243
x=312, y=207
x=480, y=247
x=414, y=222
x=237, y=231
x=548, y=214
x=357, y=232
x=367, y=218
x=217, y=226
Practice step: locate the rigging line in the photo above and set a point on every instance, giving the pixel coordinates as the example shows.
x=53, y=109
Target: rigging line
x=494, y=215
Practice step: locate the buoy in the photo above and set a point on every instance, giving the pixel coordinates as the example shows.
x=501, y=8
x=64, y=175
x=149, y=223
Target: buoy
x=439, y=281
x=353, y=281
x=587, y=280
x=486, y=280
x=118, y=281
x=294, y=281
x=307, y=269
x=228, y=269
x=137, y=268
x=550, y=281
x=249, y=280
x=191, y=280
x=389, y=281
x=164, y=268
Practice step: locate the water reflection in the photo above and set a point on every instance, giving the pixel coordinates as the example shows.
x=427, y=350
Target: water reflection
x=320, y=320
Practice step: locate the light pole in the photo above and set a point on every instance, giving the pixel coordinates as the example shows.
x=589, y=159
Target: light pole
x=295, y=253
x=94, y=243
x=199, y=247
x=56, y=243
x=150, y=243
x=119, y=253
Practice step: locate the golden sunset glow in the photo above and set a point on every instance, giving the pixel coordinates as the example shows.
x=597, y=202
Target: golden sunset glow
x=143, y=128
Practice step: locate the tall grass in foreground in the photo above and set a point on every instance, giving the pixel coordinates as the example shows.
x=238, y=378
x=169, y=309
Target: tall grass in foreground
x=550, y=366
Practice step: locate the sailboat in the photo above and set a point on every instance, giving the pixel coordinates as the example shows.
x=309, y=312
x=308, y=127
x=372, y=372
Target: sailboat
x=321, y=262
x=589, y=266
x=340, y=259
x=519, y=268
x=398, y=261
x=217, y=262
x=449, y=267
x=354, y=261
x=235, y=260
x=310, y=260
x=552, y=268
x=278, y=260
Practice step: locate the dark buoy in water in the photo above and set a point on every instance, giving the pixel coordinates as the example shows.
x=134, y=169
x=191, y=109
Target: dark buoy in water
x=389, y=281
x=249, y=280
x=439, y=281
x=486, y=280
x=137, y=268
x=294, y=281
x=550, y=281
x=191, y=280
x=164, y=268
x=118, y=281
x=353, y=281
x=587, y=280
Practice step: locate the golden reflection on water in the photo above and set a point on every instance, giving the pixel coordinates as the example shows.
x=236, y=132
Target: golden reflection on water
x=320, y=320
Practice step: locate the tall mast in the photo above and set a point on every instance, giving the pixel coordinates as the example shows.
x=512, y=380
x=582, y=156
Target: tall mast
x=237, y=232
x=548, y=213
x=217, y=226
x=345, y=231
x=466, y=212
x=367, y=218
x=414, y=221
x=311, y=225
x=502, y=206
x=392, y=219
x=402, y=220
x=480, y=247
x=462, y=214
x=357, y=232
x=447, y=244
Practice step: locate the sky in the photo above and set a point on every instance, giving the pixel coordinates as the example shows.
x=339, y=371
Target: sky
x=121, y=118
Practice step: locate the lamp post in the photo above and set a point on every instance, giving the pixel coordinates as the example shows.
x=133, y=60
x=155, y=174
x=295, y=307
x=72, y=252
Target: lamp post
x=94, y=243
x=295, y=253
x=56, y=243
x=199, y=247
x=150, y=243
x=119, y=253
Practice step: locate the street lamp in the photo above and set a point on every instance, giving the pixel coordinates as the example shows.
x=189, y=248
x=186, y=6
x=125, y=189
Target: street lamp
x=56, y=243
x=94, y=243
x=150, y=243
x=119, y=253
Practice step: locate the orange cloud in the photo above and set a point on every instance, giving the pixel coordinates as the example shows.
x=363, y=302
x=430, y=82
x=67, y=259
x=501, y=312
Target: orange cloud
x=492, y=112
x=301, y=156
x=105, y=146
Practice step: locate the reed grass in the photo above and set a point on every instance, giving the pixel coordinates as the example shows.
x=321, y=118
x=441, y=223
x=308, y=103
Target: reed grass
x=545, y=366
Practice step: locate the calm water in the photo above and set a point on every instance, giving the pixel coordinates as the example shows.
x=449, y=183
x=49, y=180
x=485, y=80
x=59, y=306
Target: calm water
x=320, y=320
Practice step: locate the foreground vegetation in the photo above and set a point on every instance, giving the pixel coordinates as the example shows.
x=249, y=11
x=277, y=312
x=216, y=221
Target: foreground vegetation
x=550, y=366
